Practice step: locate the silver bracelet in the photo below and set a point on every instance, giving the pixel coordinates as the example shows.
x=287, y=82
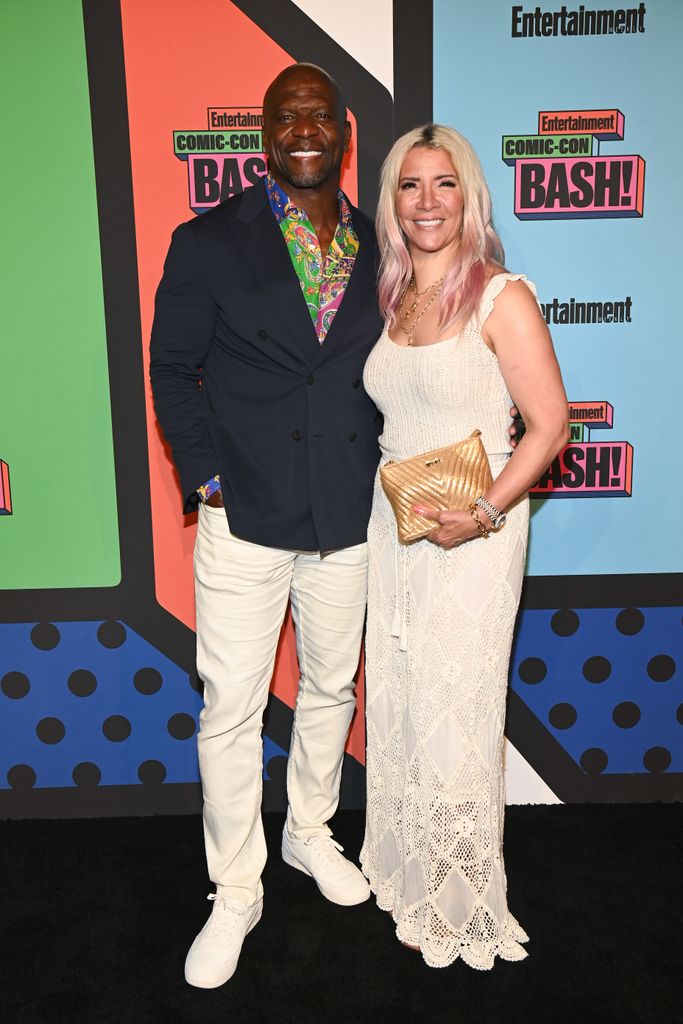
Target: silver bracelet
x=495, y=515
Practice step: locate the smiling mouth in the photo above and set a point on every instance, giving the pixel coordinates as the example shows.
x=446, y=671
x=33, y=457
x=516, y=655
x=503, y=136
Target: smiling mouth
x=304, y=154
x=429, y=223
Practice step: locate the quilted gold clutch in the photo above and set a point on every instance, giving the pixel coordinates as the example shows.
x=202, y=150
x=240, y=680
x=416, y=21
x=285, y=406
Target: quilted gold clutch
x=447, y=478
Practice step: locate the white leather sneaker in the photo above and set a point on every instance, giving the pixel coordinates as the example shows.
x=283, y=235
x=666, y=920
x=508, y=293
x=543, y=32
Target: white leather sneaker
x=213, y=955
x=320, y=856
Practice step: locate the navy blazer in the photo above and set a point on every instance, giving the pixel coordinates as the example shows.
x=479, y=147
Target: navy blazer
x=243, y=388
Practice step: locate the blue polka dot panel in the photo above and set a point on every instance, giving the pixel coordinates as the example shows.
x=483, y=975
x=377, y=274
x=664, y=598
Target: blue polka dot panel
x=607, y=683
x=94, y=704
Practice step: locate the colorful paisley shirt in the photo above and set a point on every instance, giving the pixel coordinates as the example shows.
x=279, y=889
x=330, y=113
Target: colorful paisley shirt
x=323, y=282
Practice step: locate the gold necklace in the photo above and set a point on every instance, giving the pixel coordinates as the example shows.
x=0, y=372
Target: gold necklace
x=404, y=317
x=413, y=287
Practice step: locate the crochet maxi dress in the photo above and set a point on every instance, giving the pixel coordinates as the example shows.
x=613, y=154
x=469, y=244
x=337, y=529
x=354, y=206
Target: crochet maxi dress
x=439, y=635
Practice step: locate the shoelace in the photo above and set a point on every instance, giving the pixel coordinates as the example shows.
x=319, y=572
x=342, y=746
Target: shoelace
x=224, y=923
x=325, y=847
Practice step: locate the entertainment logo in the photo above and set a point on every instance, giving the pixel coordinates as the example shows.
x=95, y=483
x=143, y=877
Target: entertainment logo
x=587, y=468
x=560, y=173
x=226, y=158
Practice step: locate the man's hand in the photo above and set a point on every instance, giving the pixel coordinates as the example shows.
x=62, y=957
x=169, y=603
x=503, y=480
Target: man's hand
x=517, y=427
x=215, y=500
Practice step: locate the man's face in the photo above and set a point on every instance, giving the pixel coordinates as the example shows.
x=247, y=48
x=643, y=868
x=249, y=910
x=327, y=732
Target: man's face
x=304, y=131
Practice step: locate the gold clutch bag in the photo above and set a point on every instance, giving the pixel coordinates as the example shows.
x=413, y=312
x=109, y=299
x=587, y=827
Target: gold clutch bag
x=447, y=478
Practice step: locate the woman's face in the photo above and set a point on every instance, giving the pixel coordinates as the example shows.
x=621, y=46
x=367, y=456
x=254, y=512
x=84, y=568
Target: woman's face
x=429, y=201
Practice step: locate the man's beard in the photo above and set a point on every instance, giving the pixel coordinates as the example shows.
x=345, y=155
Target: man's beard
x=308, y=177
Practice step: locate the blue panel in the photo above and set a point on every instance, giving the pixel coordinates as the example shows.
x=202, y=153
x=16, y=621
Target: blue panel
x=143, y=726
x=626, y=664
x=489, y=82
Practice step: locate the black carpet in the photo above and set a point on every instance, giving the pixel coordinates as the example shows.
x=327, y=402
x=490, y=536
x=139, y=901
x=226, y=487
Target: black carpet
x=98, y=915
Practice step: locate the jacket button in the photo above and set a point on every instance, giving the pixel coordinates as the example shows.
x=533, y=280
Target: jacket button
x=263, y=335
x=352, y=437
x=310, y=379
x=296, y=435
x=356, y=383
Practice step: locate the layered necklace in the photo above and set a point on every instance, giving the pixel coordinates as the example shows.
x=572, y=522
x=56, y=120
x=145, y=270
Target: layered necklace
x=409, y=315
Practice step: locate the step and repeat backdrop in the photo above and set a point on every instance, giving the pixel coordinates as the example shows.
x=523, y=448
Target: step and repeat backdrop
x=125, y=117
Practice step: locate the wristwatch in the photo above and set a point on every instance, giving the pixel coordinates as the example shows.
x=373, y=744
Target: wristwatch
x=497, y=517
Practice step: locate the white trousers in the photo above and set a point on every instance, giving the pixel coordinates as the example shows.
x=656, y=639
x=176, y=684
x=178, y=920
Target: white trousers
x=241, y=591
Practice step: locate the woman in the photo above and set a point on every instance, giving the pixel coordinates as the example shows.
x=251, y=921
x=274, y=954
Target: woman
x=462, y=335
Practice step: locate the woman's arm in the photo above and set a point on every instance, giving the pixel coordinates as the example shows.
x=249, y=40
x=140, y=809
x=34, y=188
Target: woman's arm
x=519, y=337
x=516, y=332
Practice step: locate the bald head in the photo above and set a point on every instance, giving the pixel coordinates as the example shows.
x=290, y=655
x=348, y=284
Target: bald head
x=301, y=71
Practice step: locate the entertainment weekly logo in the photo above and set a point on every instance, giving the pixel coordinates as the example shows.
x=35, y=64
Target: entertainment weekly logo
x=560, y=172
x=589, y=468
x=224, y=158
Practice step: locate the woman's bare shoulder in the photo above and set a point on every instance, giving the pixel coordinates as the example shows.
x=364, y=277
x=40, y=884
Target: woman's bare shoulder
x=492, y=270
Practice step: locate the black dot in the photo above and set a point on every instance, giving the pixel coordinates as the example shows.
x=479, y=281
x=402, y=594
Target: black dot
x=657, y=759
x=181, y=726
x=82, y=683
x=594, y=761
x=21, y=776
x=147, y=680
x=276, y=770
x=86, y=774
x=630, y=621
x=562, y=716
x=660, y=668
x=597, y=669
x=565, y=622
x=116, y=728
x=15, y=685
x=111, y=634
x=532, y=671
x=151, y=773
x=626, y=714
x=679, y=714
x=50, y=730
x=45, y=636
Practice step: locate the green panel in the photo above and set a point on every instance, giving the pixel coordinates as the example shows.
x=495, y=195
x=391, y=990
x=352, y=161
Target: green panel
x=542, y=147
x=55, y=418
x=235, y=140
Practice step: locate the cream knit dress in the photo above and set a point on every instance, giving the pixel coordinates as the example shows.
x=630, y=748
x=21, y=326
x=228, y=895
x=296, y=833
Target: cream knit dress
x=438, y=644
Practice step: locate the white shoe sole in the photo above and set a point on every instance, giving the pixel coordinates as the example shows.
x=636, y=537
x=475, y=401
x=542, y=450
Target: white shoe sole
x=340, y=898
x=232, y=967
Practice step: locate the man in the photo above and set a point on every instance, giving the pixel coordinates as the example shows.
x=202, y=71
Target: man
x=264, y=317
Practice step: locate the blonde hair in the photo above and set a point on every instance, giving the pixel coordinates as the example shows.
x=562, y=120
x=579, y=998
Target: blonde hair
x=479, y=243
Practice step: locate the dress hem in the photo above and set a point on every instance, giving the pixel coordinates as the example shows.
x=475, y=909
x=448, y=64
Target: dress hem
x=507, y=945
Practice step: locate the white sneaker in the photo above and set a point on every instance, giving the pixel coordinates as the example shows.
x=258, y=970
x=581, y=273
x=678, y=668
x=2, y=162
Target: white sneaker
x=213, y=955
x=338, y=879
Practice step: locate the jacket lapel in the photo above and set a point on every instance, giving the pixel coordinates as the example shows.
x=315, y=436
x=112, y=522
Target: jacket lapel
x=270, y=262
x=359, y=289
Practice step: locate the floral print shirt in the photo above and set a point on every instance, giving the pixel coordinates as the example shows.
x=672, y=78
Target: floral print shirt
x=323, y=281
